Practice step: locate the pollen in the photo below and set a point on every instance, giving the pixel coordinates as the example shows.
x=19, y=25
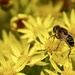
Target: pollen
x=8, y=71
x=52, y=44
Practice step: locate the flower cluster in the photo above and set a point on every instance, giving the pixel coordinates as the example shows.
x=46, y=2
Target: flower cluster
x=37, y=43
x=15, y=55
x=39, y=31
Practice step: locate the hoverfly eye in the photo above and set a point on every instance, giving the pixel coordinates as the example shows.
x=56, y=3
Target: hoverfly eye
x=55, y=28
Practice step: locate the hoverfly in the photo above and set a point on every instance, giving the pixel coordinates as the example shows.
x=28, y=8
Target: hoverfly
x=63, y=35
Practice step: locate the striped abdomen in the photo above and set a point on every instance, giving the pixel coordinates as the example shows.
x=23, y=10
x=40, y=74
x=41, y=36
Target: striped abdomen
x=70, y=40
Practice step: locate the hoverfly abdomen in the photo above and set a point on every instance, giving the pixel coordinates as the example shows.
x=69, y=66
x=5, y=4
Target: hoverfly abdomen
x=70, y=40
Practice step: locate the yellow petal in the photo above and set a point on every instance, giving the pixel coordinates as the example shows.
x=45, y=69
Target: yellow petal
x=27, y=25
x=50, y=72
x=66, y=20
x=72, y=16
x=5, y=36
x=39, y=21
x=55, y=66
x=58, y=6
x=32, y=21
x=20, y=73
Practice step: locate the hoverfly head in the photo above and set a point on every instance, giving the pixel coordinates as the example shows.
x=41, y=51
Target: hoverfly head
x=55, y=28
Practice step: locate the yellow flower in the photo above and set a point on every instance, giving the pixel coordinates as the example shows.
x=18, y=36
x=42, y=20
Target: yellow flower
x=69, y=21
x=4, y=47
x=21, y=51
x=50, y=9
x=72, y=55
x=15, y=55
x=68, y=71
x=50, y=43
x=7, y=65
x=35, y=27
x=58, y=56
x=47, y=43
x=16, y=21
x=50, y=72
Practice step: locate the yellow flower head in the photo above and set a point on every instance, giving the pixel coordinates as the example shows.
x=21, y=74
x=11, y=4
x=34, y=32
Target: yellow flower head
x=23, y=53
x=50, y=9
x=36, y=27
x=15, y=55
x=69, y=21
x=7, y=65
x=68, y=71
x=16, y=22
x=58, y=50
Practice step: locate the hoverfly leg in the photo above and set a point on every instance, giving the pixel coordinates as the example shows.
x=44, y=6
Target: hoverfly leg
x=52, y=36
x=69, y=53
x=57, y=46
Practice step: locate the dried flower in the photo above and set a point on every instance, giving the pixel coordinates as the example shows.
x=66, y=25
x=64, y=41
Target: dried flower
x=6, y=3
x=16, y=22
